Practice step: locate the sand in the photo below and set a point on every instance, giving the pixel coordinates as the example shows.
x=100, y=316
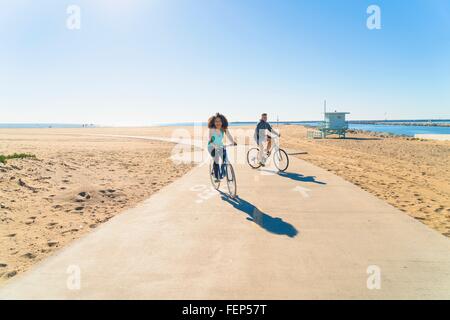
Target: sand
x=75, y=184
x=79, y=181
x=413, y=175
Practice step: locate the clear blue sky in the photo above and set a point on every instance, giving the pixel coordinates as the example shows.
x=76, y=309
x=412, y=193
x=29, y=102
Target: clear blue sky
x=139, y=62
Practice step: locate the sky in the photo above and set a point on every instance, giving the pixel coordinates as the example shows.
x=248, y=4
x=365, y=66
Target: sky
x=142, y=62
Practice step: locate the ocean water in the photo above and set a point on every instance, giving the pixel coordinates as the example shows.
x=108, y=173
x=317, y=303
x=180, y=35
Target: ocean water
x=401, y=130
x=397, y=129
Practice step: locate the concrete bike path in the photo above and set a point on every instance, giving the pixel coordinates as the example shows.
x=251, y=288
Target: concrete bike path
x=305, y=234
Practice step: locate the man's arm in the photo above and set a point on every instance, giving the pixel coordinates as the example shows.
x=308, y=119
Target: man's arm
x=269, y=127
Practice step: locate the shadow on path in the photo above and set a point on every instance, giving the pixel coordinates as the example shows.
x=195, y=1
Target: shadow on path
x=299, y=177
x=294, y=176
x=265, y=221
x=297, y=153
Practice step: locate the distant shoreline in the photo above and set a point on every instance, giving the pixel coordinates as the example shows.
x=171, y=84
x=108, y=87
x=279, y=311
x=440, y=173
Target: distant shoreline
x=44, y=125
x=425, y=123
x=418, y=123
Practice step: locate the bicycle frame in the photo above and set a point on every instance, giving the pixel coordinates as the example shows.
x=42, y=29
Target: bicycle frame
x=225, y=166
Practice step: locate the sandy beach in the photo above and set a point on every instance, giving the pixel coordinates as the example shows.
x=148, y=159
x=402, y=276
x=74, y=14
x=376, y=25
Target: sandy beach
x=79, y=181
x=412, y=175
x=75, y=184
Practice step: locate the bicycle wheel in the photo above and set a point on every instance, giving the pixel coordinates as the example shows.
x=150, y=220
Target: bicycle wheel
x=215, y=184
x=231, y=180
x=253, y=158
x=281, y=160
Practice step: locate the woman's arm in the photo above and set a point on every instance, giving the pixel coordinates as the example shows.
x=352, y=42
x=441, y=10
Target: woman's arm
x=210, y=136
x=230, y=137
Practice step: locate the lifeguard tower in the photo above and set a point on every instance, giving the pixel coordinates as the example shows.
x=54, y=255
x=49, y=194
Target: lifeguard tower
x=333, y=123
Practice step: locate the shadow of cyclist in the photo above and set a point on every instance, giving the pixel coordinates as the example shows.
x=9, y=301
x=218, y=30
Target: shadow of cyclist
x=265, y=221
x=299, y=177
x=294, y=176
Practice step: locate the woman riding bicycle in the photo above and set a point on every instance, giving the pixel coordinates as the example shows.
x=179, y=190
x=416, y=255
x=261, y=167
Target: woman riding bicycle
x=218, y=128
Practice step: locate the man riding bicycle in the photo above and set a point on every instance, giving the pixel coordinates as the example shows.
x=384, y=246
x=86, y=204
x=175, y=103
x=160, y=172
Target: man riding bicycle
x=263, y=133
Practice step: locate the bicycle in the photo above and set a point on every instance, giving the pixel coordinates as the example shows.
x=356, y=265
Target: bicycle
x=280, y=158
x=225, y=170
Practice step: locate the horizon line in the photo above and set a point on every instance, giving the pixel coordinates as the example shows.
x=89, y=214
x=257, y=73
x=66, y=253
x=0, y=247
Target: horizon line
x=203, y=122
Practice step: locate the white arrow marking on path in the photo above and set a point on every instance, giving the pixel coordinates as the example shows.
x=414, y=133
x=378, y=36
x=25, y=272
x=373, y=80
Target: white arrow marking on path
x=303, y=191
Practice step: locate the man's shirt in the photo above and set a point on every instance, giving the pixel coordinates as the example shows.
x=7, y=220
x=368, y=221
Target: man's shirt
x=262, y=125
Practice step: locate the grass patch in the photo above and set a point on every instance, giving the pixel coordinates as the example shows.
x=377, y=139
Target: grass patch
x=4, y=159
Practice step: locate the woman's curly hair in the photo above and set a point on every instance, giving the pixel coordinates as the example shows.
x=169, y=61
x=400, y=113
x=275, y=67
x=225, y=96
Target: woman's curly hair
x=212, y=125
